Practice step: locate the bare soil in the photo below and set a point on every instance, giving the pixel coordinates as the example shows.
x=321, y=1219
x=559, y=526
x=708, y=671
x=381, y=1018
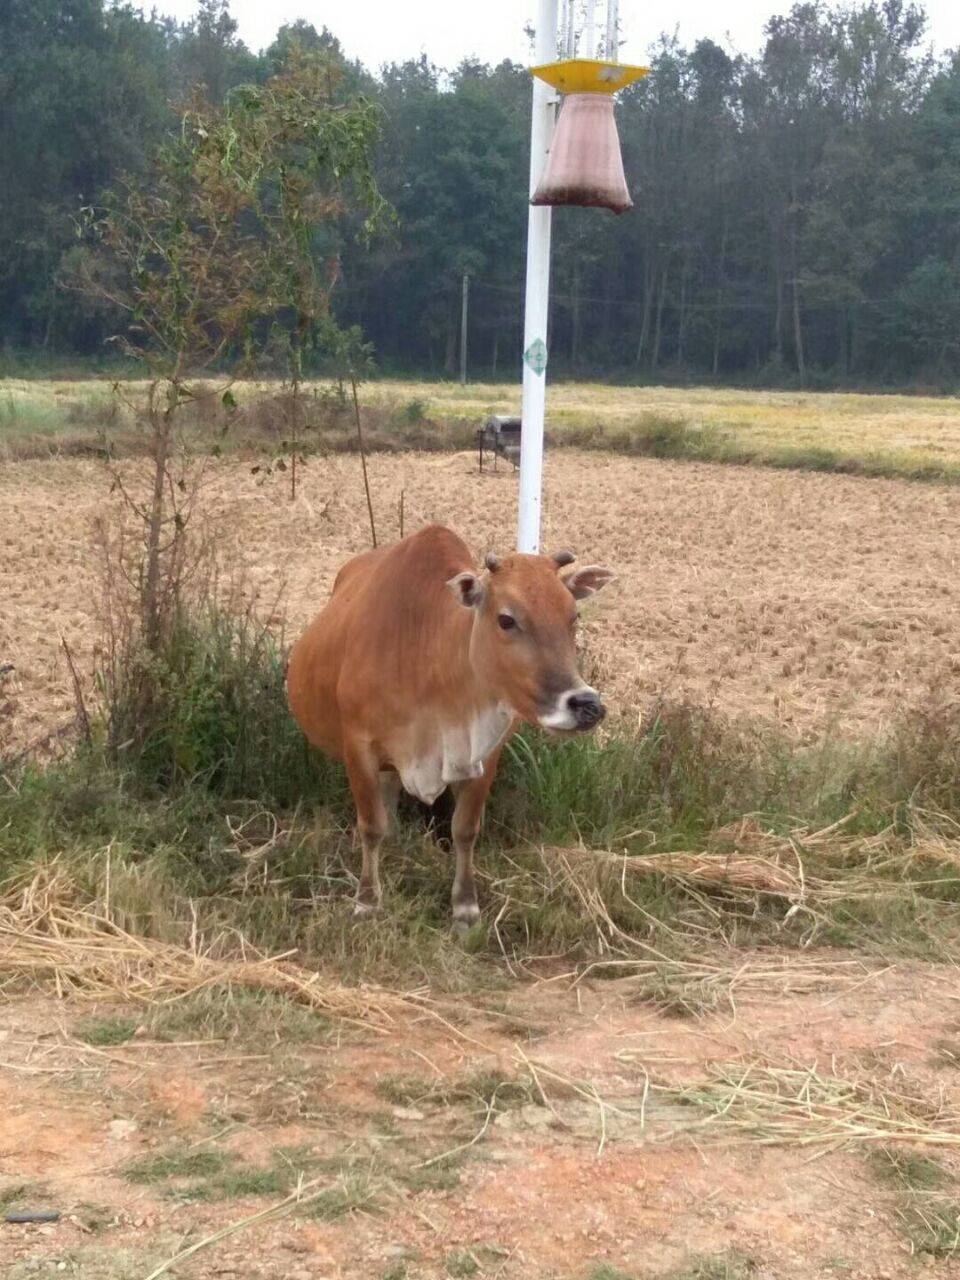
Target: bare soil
x=820, y=602
x=537, y=1197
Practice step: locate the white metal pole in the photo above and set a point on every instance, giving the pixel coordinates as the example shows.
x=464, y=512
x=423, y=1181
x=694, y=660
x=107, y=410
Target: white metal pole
x=537, y=295
x=589, y=38
x=611, y=49
x=570, y=35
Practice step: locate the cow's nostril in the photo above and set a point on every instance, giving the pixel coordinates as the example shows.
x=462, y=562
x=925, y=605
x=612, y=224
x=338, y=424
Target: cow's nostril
x=587, y=708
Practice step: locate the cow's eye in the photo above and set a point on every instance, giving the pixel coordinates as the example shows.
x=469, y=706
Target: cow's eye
x=506, y=621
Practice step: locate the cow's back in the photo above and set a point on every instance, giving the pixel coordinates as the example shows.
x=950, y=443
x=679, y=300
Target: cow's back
x=390, y=642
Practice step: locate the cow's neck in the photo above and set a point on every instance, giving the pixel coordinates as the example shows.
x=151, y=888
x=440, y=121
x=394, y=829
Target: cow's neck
x=473, y=724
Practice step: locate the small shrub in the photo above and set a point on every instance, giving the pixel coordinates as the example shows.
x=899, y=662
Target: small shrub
x=921, y=759
x=216, y=714
x=413, y=412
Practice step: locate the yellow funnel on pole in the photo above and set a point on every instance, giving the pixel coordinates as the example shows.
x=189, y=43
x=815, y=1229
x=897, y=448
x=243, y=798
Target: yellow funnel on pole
x=589, y=75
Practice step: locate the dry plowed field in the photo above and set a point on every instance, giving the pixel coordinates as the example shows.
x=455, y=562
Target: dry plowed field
x=819, y=601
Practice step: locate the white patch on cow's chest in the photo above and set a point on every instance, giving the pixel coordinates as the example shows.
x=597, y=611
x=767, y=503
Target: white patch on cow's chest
x=457, y=754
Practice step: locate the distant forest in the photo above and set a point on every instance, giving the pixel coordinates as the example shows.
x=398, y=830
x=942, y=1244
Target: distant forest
x=797, y=218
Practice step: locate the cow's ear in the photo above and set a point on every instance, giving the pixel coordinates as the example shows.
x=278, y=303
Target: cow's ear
x=587, y=581
x=468, y=589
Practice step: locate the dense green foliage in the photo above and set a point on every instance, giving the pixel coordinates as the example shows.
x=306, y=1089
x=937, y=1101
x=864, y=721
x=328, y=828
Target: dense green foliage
x=797, y=214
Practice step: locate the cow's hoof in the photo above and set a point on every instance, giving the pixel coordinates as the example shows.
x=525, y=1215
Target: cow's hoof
x=366, y=910
x=465, y=916
x=462, y=929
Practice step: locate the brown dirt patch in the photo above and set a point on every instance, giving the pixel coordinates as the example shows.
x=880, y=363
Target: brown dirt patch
x=534, y=1199
x=817, y=601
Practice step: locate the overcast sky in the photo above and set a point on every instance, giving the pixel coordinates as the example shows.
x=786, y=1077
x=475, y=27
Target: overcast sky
x=377, y=31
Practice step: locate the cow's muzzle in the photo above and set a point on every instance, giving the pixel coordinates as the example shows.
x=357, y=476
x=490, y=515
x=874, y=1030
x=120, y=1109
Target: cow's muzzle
x=586, y=709
x=576, y=711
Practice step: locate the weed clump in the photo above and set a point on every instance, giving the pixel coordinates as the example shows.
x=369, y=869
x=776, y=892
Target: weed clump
x=106, y=1031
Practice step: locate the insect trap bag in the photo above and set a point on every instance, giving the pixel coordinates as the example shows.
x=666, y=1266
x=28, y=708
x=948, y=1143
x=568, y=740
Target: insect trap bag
x=584, y=166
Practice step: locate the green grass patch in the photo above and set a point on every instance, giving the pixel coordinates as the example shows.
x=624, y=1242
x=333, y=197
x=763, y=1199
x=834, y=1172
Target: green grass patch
x=442, y=1176
x=209, y=1173
x=203, y=1162
x=720, y=1266
x=15, y=1193
x=925, y=1207
x=932, y=1225
x=715, y=1266
x=355, y=1192
x=262, y=1017
x=461, y=1262
x=490, y=1088
x=477, y=1260
x=106, y=1031
x=908, y=1170
x=948, y=1052
x=254, y=1182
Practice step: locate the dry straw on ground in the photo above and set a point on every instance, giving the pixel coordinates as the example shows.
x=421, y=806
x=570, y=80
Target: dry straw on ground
x=777, y=1104
x=49, y=932
x=808, y=870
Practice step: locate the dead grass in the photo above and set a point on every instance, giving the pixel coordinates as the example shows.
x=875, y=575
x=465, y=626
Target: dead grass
x=811, y=872
x=773, y=1105
x=48, y=932
x=686, y=987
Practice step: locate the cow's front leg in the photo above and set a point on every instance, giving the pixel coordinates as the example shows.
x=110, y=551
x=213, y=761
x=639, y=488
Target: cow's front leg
x=467, y=818
x=372, y=821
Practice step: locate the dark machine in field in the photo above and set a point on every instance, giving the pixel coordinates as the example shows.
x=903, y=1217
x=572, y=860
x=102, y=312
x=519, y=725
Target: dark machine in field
x=500, y=436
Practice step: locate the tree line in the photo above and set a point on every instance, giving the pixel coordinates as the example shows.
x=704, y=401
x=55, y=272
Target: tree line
x=796, y=220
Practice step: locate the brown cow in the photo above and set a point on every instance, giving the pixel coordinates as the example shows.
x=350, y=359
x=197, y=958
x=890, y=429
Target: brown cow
x=419, y=669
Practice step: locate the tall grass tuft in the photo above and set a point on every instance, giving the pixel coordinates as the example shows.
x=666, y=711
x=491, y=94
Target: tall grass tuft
x=688, y=771
x=216, y=716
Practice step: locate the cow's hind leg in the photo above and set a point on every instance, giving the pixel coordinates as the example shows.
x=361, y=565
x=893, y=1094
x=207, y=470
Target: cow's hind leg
x=372, y=821
x=467, y=817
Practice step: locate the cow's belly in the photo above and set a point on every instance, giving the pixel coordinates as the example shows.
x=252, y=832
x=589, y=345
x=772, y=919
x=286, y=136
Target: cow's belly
x=454, y=753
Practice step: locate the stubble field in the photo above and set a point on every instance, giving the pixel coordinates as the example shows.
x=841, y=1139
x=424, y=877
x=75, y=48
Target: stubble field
x=820, y=602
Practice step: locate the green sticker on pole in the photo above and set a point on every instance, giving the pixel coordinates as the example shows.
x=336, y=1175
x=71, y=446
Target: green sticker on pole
x=536, y=355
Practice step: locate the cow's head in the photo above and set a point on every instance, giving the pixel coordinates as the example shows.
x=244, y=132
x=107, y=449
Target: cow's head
x=523, y=643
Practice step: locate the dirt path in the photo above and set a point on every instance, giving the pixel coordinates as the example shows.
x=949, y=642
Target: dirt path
x=544, y=1191
x=819, y=601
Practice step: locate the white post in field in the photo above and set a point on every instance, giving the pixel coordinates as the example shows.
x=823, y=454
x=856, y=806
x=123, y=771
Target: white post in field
x=589, y=37
x=537, y=294
x=611, y=44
